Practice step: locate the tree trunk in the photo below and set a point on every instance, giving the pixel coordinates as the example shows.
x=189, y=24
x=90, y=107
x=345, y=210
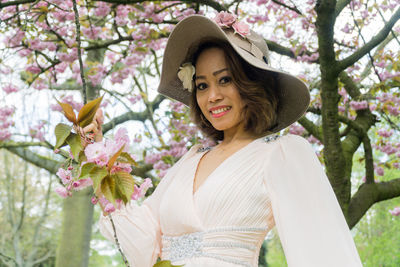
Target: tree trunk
x=74, y=245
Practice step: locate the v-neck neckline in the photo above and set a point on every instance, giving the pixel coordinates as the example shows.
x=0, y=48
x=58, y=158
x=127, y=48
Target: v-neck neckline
x=202, y=154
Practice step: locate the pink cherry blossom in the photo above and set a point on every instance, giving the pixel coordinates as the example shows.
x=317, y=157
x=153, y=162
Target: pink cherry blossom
x=289, y=33
x=385, y=133
x=16, y=38
x=109, y=208
x=33, y=69
x=140, y=191
x=6, y=111
x=358, y=105
x=134, y=99
x=395, y=211
x=64, y=175
x=55, y=107
x=60, y=67
x=241, y=28
x=62, y=192
x=121, y=137
x=96, y=153
x=81, y=184
x=92, y=32
x=24, y=52
x=395, y=111
x=94, y=200
x=102, y=9
x=4, y=134
x=10, y=88
x=225, y=19
x=379, y=171
x=296, y=129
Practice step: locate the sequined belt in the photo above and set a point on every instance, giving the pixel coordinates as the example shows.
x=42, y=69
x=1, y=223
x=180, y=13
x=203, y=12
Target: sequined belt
x=206, y=244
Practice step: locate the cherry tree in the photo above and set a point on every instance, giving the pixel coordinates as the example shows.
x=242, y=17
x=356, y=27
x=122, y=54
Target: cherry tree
x=347, y=51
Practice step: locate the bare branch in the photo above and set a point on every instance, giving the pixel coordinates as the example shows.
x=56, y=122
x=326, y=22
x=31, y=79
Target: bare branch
x=105, y=44
x=340, y=5
x=37, y=160
x=285, y=51
x=214, y=4
x=376, y=40
x=15, y=3
x=78, y=41
x=11, y=144
x=349, y=85
x=294, y=8
x=138, y=116
x=8, y=258
x=369, y=194
x=381, y=46
x=369, y=160
x=311, y=127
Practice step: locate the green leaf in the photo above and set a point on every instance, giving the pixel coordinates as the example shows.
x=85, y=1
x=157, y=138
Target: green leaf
x=74, y=141
x=87, y=112
x=68, y=111
x=86, y=169
x=118, y=66
x=82, y=156
x=108, y=189
x=141, y=49
x=125, y=184
x=168, y=159
x=114, y=158
x=126, y=158
x=97, y=174
x=62, y=131
x=165, y=264
x=42, y=17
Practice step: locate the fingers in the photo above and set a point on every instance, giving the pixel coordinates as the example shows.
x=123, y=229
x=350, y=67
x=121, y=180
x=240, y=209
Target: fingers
x=99, y=118
x=93, y=127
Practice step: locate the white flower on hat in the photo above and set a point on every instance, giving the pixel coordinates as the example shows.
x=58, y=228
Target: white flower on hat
x=185, y=74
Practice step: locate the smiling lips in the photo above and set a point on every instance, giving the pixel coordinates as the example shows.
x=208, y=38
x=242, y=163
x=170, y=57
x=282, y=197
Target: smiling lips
x=219, y=111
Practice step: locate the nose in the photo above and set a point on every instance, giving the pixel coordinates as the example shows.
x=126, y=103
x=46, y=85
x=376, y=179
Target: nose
x=214, y=93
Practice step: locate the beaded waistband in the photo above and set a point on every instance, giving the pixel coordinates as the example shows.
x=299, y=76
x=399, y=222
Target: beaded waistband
x=192, y=245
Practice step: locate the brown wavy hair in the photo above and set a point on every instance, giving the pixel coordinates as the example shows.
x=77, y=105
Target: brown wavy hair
x=256, y=87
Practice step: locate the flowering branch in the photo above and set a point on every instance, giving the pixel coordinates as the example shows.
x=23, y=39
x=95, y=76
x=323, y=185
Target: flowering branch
x=214, y=4
x=78, y=41
x=377, y=39
x=117, y=241
x=294, y=8
x=139, y=116
x=340, y=5
x=15, y=3
x=37, y=160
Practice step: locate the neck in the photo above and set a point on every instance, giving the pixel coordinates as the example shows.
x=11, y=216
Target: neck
x=239, y=136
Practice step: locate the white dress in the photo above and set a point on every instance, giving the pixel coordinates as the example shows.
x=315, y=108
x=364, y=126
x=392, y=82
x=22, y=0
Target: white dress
x=267, y=183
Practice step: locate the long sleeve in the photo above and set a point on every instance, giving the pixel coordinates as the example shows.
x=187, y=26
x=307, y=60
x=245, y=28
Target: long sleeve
x=138, y=227
x=308, y=218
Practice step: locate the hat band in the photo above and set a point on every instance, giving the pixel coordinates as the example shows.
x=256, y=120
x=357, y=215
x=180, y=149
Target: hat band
x=245, y=45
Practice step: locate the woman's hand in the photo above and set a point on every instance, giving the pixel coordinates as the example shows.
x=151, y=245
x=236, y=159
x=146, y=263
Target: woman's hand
x=95, y=126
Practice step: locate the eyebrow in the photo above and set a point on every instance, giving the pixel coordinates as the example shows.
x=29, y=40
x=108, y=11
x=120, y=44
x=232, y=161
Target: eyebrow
x=215, y=73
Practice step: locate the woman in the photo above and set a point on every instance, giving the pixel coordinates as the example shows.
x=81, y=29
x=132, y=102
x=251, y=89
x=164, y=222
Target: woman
x=216, y=205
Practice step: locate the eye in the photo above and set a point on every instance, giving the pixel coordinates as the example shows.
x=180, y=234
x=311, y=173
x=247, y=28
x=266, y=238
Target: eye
x=225, y=80
x=201, y=86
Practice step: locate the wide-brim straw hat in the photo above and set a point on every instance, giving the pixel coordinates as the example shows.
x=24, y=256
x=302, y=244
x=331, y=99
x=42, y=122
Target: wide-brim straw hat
x=294, y=96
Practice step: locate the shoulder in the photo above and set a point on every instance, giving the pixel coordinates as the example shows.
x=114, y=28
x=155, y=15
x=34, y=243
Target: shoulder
x=285, y=147
x=286, y=140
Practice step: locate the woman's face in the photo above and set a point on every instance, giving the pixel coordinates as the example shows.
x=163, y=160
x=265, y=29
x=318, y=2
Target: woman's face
x=216, y=94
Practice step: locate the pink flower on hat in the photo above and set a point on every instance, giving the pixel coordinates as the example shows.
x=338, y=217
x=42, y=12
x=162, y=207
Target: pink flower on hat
x=241, y=28
x=225, y=19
